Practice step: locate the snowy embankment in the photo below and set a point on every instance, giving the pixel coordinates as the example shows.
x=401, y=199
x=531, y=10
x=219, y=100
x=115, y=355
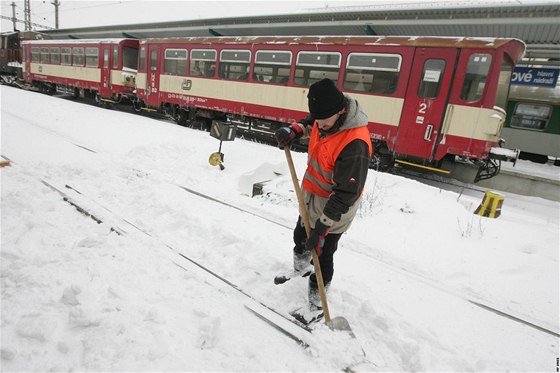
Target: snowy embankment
x=410, y=277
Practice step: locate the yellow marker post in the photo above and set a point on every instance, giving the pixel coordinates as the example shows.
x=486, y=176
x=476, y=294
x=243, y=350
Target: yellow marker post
x=491, y=206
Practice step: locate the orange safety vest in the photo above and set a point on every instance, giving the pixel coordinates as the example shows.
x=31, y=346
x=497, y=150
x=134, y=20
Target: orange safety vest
x=323, y=154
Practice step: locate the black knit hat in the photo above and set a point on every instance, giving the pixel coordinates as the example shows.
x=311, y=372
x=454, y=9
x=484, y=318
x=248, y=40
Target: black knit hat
x=324, y=99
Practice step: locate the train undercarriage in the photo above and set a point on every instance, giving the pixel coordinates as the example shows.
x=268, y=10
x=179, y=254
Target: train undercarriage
x=466, y=169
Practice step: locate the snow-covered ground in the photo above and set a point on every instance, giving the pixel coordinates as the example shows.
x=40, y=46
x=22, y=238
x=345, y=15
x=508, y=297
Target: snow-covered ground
x=547, y=171
x=415, y=275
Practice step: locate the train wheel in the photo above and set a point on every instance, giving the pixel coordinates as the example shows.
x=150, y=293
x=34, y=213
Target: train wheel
x=382, y=159
x=137, y=106
x=381, y=162
x=182, y=117
x=48, y=89
x=206, y=124
x=172, y=112
x=8, y=79
x=103, y=102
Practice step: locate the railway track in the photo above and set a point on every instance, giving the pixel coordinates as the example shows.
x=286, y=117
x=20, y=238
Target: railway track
x=354, y=246
x=442, y=182
x=99, y=213
x=517, y=183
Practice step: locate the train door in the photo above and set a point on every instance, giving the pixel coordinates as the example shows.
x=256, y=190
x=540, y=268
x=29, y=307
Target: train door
x=425, y=101
x=26, y=61
x=105, y=89
x=152, y=89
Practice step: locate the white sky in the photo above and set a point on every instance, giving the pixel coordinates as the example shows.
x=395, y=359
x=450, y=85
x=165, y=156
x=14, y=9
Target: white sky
x=81, y=13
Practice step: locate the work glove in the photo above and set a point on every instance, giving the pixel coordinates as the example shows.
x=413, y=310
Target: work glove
x=317, y=238
x=285, y=135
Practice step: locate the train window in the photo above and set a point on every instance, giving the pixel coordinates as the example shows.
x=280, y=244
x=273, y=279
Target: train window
x=35, y=54
x=431, y=78
x=504, y=80
x=44, y=55
x=115, y=56
x=92, y=57
x=66, y=56
x=130, y=58
x=475, y=78
x=153, y=60
x=78, y=56
x=272, y=66
x=175, y=61
x=55, y=55
x=314, y=66
x=203, y=62
x=372, y=72
x=142, y=59
x=234, y=64
x=531, y=116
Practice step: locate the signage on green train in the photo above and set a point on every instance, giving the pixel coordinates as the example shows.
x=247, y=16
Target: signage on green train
x=535, y=76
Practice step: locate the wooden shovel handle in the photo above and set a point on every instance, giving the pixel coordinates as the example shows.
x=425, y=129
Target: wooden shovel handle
x=305, y=217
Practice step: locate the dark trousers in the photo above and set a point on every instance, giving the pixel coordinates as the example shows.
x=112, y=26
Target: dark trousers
x=326, y=259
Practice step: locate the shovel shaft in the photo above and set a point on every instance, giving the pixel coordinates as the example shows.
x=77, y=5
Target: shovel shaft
x=305, y=217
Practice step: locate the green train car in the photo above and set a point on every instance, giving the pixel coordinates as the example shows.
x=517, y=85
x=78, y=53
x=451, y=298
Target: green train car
x=533, y=123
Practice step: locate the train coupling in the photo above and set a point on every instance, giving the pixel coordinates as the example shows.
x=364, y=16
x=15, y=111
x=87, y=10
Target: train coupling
x=504, y=154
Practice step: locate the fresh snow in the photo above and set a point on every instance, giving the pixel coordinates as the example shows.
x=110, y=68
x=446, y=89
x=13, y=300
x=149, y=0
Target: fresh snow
x=546, y=171
x=78, y=296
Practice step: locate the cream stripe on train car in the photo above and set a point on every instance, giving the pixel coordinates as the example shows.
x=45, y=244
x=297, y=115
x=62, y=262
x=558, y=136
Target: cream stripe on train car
x=380, y=109
x=474, y=122
x=89, y=74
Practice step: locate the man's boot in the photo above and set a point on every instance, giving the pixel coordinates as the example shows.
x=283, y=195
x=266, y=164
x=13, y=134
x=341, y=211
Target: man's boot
x=314, y=311
x=302, y=261
x=313, y=294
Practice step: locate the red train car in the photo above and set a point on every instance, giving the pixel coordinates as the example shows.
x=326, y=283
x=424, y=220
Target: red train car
x=105, y=68
x=10, y=53
x=427, y=99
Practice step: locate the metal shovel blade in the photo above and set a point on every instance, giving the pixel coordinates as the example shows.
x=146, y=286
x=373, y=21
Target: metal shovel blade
x=341, y=324
x=349, y=346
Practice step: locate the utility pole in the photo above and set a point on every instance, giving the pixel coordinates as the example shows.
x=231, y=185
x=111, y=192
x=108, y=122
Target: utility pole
x=56, y=4
x=14, y=15
x=27, y=11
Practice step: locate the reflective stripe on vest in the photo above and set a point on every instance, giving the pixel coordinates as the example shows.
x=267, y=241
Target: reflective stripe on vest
x=322, y=157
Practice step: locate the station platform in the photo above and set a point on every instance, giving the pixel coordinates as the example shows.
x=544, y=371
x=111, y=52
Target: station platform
x=527, y=178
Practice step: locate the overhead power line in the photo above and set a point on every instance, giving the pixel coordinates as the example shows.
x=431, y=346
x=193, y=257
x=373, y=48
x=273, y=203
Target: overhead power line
x=74, y=7
x=22, y=21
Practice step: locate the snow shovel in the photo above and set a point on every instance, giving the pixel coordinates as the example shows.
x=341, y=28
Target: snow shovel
x=339, y=322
